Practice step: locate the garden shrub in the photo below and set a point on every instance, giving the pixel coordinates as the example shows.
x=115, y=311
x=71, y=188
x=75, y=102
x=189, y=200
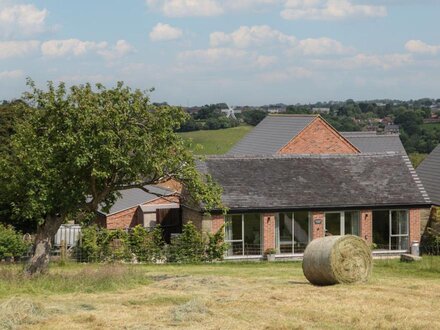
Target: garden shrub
x=216, y=246
x=146, y=244
x=89, y=249
x=188, y=247
x=11, y=243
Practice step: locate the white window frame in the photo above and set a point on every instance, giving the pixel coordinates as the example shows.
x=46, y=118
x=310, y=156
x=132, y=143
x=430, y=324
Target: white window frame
x=342, y=217
x=390, y=228
x=228, y=219
x=277, y=232
x=390, y=217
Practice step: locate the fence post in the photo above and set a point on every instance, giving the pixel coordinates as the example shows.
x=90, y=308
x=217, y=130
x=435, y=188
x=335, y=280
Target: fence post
x=63, y=250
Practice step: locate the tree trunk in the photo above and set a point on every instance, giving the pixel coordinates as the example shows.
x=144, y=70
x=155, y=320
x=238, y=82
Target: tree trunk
x=43, y=244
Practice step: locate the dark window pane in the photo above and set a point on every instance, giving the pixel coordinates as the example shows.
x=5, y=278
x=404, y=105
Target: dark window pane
x=301, y=230
x=285, y=233
x=351, y=223
x=399, y=223
x=252, y=234
x=233, y=228
x=399, y=243
x=332, y=224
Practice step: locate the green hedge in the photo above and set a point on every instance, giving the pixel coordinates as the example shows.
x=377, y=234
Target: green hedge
x=143, y=245
x=12, y=244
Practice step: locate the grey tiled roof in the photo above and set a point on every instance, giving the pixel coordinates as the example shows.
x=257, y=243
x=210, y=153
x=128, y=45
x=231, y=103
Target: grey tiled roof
x=316, y=181
x=429, y=173
x=271, y=134
x=135, y=197
x=275, y=131
x=372, y=142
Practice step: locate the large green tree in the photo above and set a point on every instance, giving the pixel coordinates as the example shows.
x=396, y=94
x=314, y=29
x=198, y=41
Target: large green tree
x=76, y=148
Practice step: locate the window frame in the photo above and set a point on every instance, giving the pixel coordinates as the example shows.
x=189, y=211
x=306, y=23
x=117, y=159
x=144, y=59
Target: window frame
x=277, y=232
x=228, y=219
x=342, y=221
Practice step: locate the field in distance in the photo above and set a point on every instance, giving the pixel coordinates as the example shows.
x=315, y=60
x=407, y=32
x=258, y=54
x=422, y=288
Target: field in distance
x=216, y=142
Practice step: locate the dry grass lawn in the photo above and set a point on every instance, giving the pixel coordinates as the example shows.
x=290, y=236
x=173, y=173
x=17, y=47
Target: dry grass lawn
x=218, y=296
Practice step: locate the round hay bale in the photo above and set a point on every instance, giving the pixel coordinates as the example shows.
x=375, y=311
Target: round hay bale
x=337, y=259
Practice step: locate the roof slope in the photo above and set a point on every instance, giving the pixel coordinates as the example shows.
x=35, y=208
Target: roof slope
x=134, y=197
x=271, y=134
x=429, y=173
x=316, y=181
x=275, y=131
x=372, y=142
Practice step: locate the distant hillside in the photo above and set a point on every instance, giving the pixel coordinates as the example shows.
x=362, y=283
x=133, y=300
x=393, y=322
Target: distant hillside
x=216, y=142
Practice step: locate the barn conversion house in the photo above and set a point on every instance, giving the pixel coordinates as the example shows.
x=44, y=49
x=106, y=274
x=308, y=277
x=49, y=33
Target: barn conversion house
x=295, y=178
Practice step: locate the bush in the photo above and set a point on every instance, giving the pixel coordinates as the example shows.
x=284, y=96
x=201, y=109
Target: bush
x=11, y=243
x=146, y=244
x=100, y=244
x=188, y=247
x=216, y=246
x=143, y=245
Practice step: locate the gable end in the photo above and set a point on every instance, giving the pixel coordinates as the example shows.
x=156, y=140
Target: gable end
x=319, y=137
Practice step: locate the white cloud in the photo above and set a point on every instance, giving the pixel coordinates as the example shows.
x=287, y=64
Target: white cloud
x=420, y=47
x=213, y=55
x=67, y=47
x=263, y=61
x=246, y=36
x=13, y=74
x=322, y=46
x=162, y=32
x=182, y=8
x=119, y=50
x=22, y=19
x=289, y=73
x=359, y=61
x=17, y=48
x=329, y=10
x=76, y=47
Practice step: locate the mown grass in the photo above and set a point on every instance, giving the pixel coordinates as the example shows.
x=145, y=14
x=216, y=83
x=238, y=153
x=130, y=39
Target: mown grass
x=216, y=142
x=250, y=295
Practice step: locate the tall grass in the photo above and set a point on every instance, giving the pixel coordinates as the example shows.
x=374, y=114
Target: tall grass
x=69, y=279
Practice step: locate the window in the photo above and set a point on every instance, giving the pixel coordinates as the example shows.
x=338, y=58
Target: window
x=292, y=232
x=391, y=229
x=243, y=234
x=342, y=223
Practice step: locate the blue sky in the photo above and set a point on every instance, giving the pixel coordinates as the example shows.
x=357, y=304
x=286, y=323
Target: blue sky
x=253, y=52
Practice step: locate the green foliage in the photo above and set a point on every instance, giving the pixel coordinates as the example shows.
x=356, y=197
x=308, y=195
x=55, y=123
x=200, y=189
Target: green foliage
x=216, y=246
x=253, y=117
x=75, y=148
x=187, y=247
x=416, y=158
x=11, y=243
x=270, y=251
x=88, y=249
x=100, y=244
x=146, y=244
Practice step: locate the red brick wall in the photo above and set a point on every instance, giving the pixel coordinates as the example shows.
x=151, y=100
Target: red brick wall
x=318, y=138
x=268, y=231
x=414, y=226
x=217, y=222
x=366, y=226
x=122, y=219
x=318, y=229
x=132, y=218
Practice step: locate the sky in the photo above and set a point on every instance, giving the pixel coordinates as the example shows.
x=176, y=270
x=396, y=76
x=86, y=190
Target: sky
x=254, y=52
